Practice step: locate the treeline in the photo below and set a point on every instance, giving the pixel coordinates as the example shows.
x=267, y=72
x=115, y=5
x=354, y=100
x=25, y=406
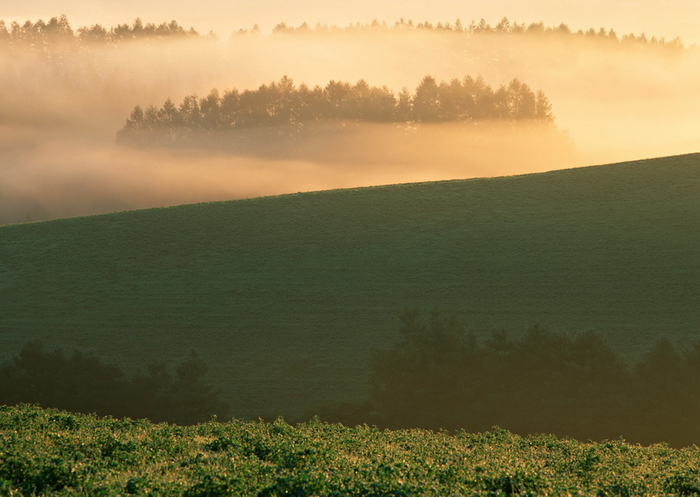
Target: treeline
x=81, y=382
x=59, y=31
x=283, y=103
x=504, y=27
x=440, y=377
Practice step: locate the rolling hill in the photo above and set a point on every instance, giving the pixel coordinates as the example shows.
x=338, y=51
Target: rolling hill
x=288, y=296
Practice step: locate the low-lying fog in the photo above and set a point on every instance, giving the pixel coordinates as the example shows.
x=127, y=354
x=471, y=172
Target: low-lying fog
x=60, y=110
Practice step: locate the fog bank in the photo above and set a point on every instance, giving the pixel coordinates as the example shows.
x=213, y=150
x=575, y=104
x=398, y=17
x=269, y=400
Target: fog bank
x=61, y=107
x=65, y=177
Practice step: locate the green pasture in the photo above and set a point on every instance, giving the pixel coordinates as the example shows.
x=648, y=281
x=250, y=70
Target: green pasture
x=288, y=296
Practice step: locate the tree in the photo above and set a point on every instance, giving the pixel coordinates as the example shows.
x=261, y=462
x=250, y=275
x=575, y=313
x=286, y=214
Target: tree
x=543, y=109
x=229, y=107
x=404, y=106
x=665, y=408
x=168, y=115
x=210, y=108
x=522, y=102
x=190, y=113
x=426, y=103
x=95, y=34
x=135, y=119
x=419, y=382
x=194, y=398
x=571, y=386
x=283, y=106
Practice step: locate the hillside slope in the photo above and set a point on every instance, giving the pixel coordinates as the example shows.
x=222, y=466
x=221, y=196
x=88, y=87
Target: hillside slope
x=288, y=296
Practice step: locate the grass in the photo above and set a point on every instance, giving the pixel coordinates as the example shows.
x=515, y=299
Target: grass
x=288, y=296
x=48, y=452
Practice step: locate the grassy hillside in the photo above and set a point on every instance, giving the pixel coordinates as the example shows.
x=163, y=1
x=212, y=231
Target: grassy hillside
x=287, y=296
x=47, y=452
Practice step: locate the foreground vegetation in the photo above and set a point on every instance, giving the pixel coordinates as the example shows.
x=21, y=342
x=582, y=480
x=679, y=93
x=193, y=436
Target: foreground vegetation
x=50, y=452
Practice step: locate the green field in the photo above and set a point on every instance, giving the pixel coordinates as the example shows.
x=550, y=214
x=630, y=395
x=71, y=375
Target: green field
x=288, y=296
x=48, y=452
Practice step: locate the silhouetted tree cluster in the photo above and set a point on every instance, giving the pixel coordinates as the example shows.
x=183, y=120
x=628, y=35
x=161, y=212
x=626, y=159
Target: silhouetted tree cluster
x=59, y=31
x=83, y=383
x=282, y=103
x=440, y=377
x=504, y=27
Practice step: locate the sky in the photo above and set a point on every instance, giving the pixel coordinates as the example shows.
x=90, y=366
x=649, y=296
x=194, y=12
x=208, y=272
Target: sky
x=661, y=18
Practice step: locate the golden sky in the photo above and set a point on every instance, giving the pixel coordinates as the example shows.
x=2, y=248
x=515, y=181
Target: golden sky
x=59, y=150
x=667, y=18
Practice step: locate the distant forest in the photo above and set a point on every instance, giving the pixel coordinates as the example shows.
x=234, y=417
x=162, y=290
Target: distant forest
x=282, y=103
x=504, y=27
x=82, y=382
x=58, y=30
x=437, y=376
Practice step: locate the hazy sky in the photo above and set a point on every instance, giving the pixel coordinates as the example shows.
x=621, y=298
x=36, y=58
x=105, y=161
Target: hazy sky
x=58, y=151
x=667, y=18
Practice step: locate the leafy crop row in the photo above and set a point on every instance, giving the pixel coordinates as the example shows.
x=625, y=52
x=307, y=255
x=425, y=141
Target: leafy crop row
x=50, y=452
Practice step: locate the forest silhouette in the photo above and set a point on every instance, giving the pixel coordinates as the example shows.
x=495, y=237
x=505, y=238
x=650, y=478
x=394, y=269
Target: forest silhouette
x=439, y=376
x=81, y=382
x=281, y=103
x=481, y=27
x=58, y=30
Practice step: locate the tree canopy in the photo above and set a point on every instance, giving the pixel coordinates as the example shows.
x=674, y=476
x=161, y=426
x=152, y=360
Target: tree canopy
x=81, y=382
x=283, y=103
x=480, y=27
x=58, y=30
x=439, y=376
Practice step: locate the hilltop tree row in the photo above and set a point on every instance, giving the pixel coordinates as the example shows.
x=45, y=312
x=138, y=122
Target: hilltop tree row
x=283, y=103
x=504, y=27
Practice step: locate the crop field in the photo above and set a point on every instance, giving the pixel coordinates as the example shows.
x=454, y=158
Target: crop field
x=287, y=297
x=49, y=452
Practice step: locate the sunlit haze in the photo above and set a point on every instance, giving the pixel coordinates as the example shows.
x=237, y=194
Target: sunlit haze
x=668, y=18
x=59, y=115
